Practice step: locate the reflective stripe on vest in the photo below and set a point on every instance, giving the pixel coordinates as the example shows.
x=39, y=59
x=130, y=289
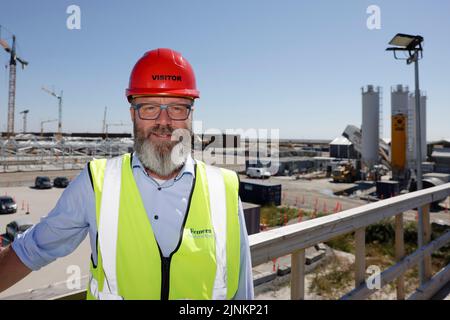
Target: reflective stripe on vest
x=109, y=219
x=208, y=258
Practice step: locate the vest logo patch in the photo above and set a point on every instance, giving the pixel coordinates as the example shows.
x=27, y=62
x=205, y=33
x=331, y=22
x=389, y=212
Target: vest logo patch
x=201, y=233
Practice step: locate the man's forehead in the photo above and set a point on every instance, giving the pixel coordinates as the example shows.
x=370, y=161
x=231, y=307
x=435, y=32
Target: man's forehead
x=161, y=100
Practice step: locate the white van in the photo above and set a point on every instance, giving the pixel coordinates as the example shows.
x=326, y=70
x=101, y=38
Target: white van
x=258, y=173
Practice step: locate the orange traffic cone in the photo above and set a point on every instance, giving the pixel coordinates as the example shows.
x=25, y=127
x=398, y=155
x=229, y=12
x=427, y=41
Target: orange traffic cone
x=300, y=215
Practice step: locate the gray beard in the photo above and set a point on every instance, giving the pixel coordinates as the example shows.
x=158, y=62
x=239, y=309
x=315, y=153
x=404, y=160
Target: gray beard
x=163, y=159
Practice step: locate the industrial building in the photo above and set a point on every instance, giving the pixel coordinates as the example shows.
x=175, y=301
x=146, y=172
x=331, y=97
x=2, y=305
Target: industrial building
x=342, y=148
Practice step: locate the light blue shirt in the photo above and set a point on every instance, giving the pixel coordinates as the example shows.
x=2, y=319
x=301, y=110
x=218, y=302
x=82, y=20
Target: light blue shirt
x=74, y=216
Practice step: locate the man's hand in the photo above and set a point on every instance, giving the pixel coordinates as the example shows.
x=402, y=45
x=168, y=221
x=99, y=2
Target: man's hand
x=12, y=270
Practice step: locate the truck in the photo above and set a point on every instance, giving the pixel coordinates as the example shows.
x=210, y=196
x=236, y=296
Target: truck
x=262, y=173
x=344, y=172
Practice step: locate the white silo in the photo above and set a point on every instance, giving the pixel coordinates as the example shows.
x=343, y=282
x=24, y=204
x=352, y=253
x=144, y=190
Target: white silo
x=399, y=100
x=412, y=131
x=370, y=130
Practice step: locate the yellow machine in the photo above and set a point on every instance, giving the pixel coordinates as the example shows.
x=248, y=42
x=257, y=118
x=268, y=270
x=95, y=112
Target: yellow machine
x=344, y=172
x=398, y=146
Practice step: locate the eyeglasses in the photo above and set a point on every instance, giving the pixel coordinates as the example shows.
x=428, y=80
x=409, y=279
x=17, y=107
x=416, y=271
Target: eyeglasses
x=152, y=111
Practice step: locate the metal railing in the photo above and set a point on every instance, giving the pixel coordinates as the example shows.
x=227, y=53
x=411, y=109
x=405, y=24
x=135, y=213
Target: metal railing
x=294, y=239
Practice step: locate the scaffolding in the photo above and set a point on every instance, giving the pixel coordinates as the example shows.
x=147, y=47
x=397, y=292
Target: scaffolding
x=27, y=152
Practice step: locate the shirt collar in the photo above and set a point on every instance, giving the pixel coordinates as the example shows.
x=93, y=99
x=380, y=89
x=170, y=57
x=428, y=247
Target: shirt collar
x=188, y=167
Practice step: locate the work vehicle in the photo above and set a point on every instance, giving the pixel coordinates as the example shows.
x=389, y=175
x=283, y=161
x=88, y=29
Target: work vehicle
x=344, y=172
x=258, y=173
x=7, y=205
x=42, y=183
x=61, y=182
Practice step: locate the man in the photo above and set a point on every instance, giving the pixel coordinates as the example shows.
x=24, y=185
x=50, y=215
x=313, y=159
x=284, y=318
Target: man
x=162, y=225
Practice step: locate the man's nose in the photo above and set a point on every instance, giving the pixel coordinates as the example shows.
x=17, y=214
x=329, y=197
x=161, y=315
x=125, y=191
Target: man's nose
x=163, y=118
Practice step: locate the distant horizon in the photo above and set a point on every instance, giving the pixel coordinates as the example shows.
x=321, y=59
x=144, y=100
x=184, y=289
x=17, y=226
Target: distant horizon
x=47, y=133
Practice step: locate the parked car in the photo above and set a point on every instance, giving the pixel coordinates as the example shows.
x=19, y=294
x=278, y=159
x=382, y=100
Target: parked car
x=42, y=183
x=17, y=227
x=60, y=182
x=7, y=205
x=258, y=173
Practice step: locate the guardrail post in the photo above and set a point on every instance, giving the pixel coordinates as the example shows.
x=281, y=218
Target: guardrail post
x=298, y=261
x=426, y=239
x=399, y=253
x=360, y=256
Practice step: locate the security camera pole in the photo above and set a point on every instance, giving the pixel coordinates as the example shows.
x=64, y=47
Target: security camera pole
x=413, y=46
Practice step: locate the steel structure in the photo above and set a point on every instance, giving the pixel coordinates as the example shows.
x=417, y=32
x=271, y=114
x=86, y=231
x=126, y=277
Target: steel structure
x=12, y=80
x=25, y=113
x=28, y=152
x=59, y=97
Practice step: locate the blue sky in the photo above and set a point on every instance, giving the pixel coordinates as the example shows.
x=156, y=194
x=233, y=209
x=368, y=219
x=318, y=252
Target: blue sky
x=293, y=65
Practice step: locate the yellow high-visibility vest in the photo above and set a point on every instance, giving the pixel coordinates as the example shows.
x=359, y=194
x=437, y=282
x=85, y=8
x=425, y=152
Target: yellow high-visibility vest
x=130, y=265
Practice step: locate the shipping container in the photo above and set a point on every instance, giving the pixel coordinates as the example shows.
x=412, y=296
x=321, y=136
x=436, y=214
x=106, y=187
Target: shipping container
x=387, y=189
x=260, y=193
x=252, y=214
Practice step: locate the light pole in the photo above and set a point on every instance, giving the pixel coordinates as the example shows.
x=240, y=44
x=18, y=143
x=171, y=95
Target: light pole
x=413, y=46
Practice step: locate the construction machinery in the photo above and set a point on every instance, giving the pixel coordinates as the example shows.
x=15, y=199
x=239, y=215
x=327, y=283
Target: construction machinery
x=104, y=120
x=12, y=80
x=25, y=113
x=59, y=97
x=46, y=121
x=353, y=134
x=344, y=172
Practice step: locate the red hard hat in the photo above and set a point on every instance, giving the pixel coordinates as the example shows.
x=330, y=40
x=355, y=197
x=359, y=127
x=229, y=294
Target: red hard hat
x=162, y=72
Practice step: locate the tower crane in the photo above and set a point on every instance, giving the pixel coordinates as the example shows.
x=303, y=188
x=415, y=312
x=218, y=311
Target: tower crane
x=46, y=121
x=25, y=113
x=59, y=97
x=12, y=80
x=104, y=120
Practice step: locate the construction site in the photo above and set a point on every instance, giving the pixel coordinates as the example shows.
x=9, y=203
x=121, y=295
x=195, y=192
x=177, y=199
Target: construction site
x=324, y=216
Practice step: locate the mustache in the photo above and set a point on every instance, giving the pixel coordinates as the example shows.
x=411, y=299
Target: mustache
x=143, y=134
x=178, y=134
x=160, y=130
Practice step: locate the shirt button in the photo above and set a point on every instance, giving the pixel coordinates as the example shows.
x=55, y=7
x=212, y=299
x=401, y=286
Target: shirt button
x=159, y=188
x=156, y=217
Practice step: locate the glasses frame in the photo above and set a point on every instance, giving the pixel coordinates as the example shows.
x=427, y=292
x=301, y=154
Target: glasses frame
x=138, y=106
